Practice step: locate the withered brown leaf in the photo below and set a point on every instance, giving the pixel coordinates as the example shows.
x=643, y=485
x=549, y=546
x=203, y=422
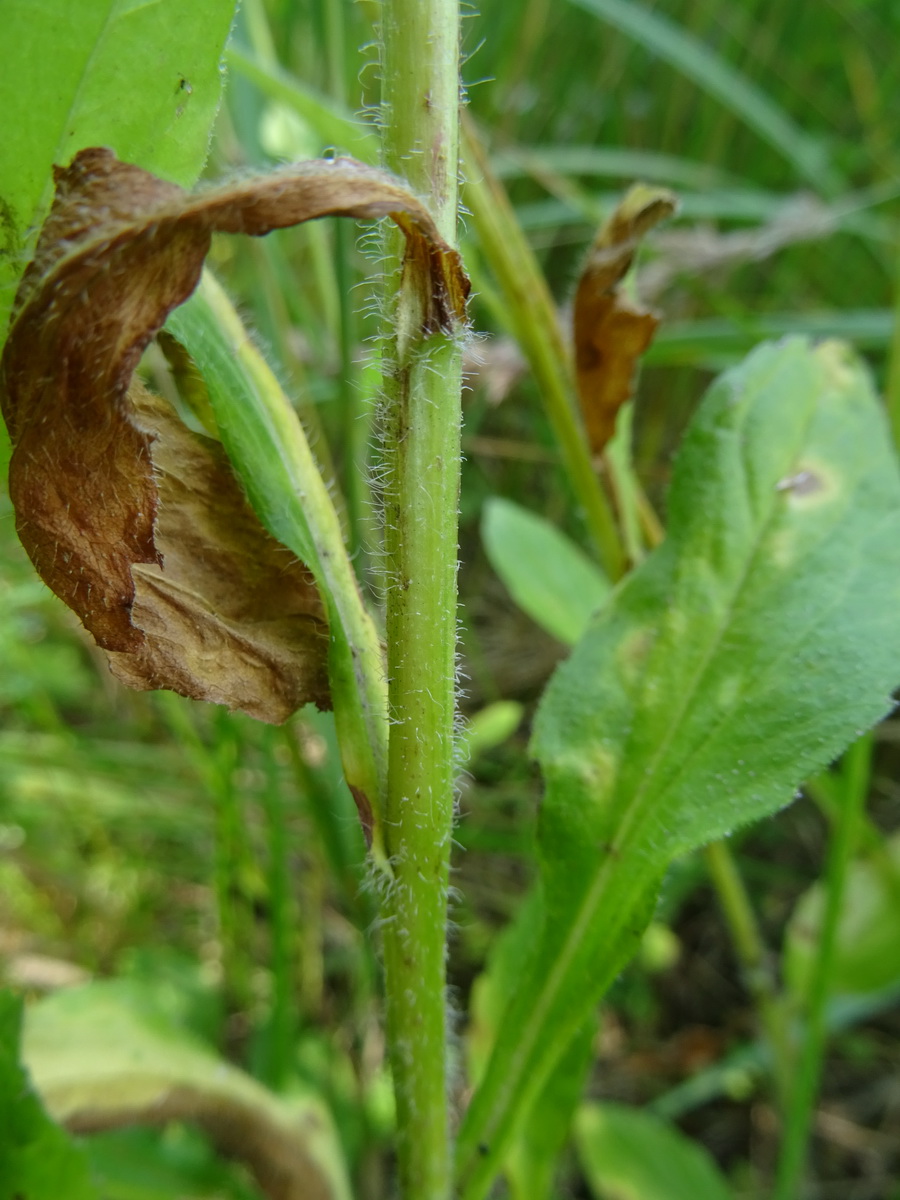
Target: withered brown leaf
x=611, y=332
x=138, y=524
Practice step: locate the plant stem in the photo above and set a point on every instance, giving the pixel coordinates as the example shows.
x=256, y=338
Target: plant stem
x=422, y=377
x=845, y=836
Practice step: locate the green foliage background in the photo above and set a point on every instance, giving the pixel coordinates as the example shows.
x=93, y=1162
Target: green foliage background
x=218, y=864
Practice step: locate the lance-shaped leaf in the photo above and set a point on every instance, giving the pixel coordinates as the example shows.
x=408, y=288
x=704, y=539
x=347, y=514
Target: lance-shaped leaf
x=136, y=524
x=548, y=576
x=743, y=655
x=611, y=332
x=632, y=1154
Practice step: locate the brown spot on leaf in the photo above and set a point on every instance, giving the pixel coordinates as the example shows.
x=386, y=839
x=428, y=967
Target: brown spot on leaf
x=804, y=483
x=138, y=524
x=611, y=332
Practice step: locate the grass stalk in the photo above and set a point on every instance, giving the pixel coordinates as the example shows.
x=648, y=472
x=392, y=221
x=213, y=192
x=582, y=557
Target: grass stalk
x=230, y=848
x=533, y=317
x=282, y=1020
x=855, y=773
x=215, y=767
x=422, y=384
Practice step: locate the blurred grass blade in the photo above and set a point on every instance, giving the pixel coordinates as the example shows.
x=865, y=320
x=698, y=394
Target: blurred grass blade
x=101, y=73
x=794, y=216
x=722, y=340
x=744, y=654
x=713, y=74
x=798, y=1114
x=614, y=162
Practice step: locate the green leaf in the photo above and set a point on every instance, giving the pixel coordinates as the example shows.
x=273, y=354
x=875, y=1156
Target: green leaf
x=547, y=575
x=491, y=726
x=37, y=1159
x=742, y=656
x=631, y=1155
x=143, y=78
x=867, y=951
x=104, y=1056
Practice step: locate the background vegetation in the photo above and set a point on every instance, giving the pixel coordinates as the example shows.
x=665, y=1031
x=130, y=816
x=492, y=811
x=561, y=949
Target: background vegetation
x=215, y=865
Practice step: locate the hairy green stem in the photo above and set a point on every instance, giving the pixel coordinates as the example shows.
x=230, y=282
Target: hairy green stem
x=422, y=380
x=844, y=840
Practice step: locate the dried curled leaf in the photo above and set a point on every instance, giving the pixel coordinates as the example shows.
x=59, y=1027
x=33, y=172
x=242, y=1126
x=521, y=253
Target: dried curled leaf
x=611, y=333
x=228, y=606
x=106, y=1056
x=136, y=523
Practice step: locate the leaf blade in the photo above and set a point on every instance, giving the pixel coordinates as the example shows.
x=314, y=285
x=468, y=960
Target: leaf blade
x=610, y=330
x=548, y=576
x=636, y=1156
x=103, y=72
